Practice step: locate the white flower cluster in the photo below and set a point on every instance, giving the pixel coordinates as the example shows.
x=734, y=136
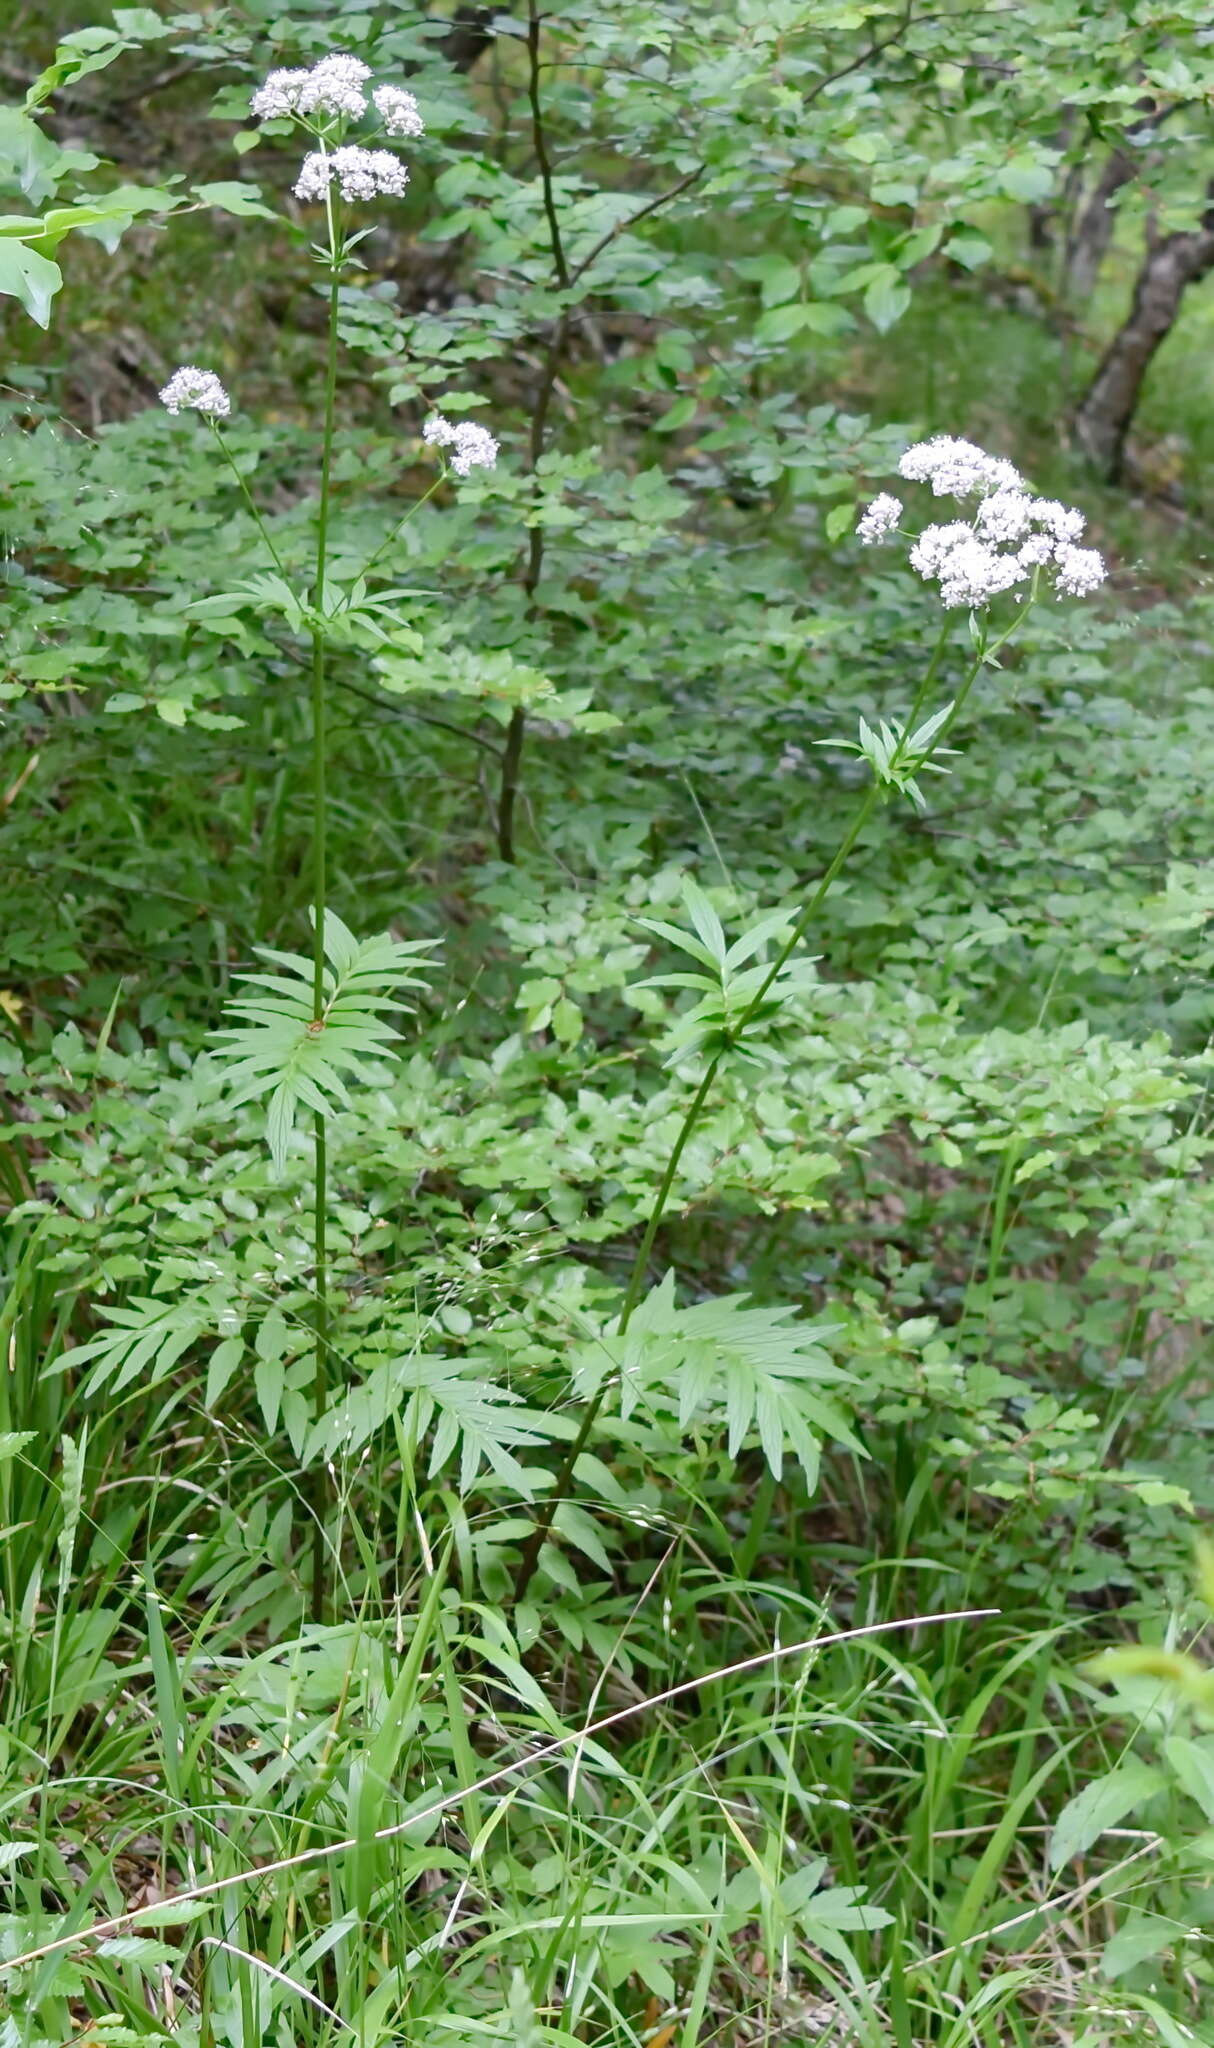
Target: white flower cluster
x=398, y=110
x=1010, y=535
x=196, y=390
x=360, y=173
x=333, y=86
x=473, y=446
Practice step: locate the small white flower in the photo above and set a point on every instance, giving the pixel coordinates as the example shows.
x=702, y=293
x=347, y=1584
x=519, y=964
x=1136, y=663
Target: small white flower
x=473, y=446
x=335, y=86
x=197, y=390
x=360, y=173
x=279, y=95
x=880, y=519
x=1065, y=522
x=1080, y=570
x=1005, y=515
x=398, y=110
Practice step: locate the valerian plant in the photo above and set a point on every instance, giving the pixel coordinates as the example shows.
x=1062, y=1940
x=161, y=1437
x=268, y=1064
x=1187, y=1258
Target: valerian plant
x=1011, y=544
x=293, y=1045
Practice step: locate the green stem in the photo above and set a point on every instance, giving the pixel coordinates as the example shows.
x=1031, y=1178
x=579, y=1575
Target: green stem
x=401, y=523
x=531, y=1549
x=319, y=1491
x=249, y=499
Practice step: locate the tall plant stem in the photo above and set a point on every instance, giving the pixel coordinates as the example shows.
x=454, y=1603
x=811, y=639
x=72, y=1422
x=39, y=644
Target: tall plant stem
x=512, y=753
x=319, y=1489
x=640, y=1265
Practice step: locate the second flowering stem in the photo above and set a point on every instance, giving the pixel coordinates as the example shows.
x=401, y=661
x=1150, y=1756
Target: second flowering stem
x=319, y=1590
x=640, y=1265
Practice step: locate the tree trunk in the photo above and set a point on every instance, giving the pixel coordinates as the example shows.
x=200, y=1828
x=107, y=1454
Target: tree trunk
x=1171, y=263
x=468, y=37
x=1091, y=231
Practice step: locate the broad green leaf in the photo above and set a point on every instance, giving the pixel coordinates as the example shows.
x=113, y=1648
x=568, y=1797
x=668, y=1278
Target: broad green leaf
x=1141, y=1937
x=886, y=300
x=1099, y=1805
x=27, y=276
x=1193, y=1763
x=230, y=196
x=33, y=158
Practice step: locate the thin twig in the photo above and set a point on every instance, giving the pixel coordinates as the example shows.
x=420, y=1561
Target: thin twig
x=650, y=206
x=475, y=739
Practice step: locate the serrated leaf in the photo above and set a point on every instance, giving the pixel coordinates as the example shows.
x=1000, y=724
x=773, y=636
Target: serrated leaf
x=224, y=1360
x=140, y=1950
x=145, y=1339
x=456, y=1398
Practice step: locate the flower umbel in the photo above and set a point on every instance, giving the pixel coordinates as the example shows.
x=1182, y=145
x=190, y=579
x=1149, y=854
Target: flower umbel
x=360, y=173
x=1080, y=570
x=1008, y=540
x=958, y=469
x=196, y=390
x=473, y=446
x=333, y=86
x=279, y=96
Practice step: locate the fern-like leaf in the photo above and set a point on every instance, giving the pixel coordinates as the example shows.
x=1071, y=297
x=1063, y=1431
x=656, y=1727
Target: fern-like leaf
x=282, y=1050
x=731, y=1004
x=453, y=1397
x=757, y=1371
x=145, y=1338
